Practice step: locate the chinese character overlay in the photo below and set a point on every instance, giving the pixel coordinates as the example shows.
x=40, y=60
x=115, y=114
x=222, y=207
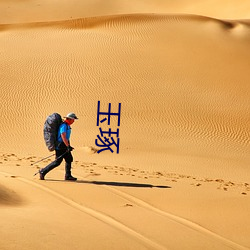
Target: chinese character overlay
x=111, y=137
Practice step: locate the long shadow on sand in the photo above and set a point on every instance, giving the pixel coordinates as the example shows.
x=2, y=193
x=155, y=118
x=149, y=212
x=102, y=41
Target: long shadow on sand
x=116, y=184
x=122, y=184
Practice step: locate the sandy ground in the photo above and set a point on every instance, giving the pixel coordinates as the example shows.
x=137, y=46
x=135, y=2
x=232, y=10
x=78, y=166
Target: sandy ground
x=180, y=72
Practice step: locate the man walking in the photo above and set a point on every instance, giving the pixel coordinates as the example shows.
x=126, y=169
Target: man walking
x=63, y=150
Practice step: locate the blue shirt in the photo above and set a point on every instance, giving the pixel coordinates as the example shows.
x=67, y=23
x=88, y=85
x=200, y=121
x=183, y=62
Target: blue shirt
x=64, y=128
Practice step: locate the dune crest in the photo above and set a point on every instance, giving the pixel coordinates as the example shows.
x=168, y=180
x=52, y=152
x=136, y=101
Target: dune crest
x=110, y=20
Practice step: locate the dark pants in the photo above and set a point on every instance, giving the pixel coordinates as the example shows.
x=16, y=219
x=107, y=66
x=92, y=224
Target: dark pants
x=60, y=155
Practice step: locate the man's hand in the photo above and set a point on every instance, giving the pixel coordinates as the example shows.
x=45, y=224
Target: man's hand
x=69, y=148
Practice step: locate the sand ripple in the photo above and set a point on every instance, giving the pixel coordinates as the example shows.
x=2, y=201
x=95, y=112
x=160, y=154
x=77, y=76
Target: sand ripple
x=182, y=81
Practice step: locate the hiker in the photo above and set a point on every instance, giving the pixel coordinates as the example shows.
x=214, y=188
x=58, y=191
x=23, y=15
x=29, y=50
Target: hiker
x=63, y=149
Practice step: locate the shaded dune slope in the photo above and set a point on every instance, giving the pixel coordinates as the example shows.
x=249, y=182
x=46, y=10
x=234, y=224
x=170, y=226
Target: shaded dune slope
x=9, y=197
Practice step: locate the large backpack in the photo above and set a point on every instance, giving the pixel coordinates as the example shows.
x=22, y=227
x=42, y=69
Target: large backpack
x=50, y=130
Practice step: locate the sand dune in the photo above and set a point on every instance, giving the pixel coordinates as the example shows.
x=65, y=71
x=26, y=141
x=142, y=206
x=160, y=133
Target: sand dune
x=181, y=179
x=199, y=108
x=37, y=11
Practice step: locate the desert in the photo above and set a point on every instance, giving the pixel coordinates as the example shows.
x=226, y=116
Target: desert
x=181, y=178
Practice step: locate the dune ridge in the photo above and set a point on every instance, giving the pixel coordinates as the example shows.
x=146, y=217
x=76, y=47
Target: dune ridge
x=108, y=20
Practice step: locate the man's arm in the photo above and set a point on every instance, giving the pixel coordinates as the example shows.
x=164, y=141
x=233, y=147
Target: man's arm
x=66, y=142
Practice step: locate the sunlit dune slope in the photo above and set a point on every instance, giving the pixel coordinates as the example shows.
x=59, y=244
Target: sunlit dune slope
x=182, y=81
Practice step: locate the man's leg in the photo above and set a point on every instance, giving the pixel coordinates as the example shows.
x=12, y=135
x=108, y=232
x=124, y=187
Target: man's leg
x=52, y=165
x=68, y=160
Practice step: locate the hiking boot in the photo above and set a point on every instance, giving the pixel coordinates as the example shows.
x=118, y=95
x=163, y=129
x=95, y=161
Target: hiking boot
x=41, y=175
x=70, y=178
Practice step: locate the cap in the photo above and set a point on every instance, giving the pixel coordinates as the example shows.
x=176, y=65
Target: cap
x=71, y=116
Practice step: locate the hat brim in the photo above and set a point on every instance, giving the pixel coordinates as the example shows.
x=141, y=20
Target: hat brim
x=72, y=118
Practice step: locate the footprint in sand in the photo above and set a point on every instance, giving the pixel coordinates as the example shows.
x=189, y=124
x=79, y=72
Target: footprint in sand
x=128, y=205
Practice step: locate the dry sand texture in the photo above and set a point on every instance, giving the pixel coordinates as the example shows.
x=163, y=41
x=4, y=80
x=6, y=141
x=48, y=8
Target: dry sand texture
x=181, y=179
